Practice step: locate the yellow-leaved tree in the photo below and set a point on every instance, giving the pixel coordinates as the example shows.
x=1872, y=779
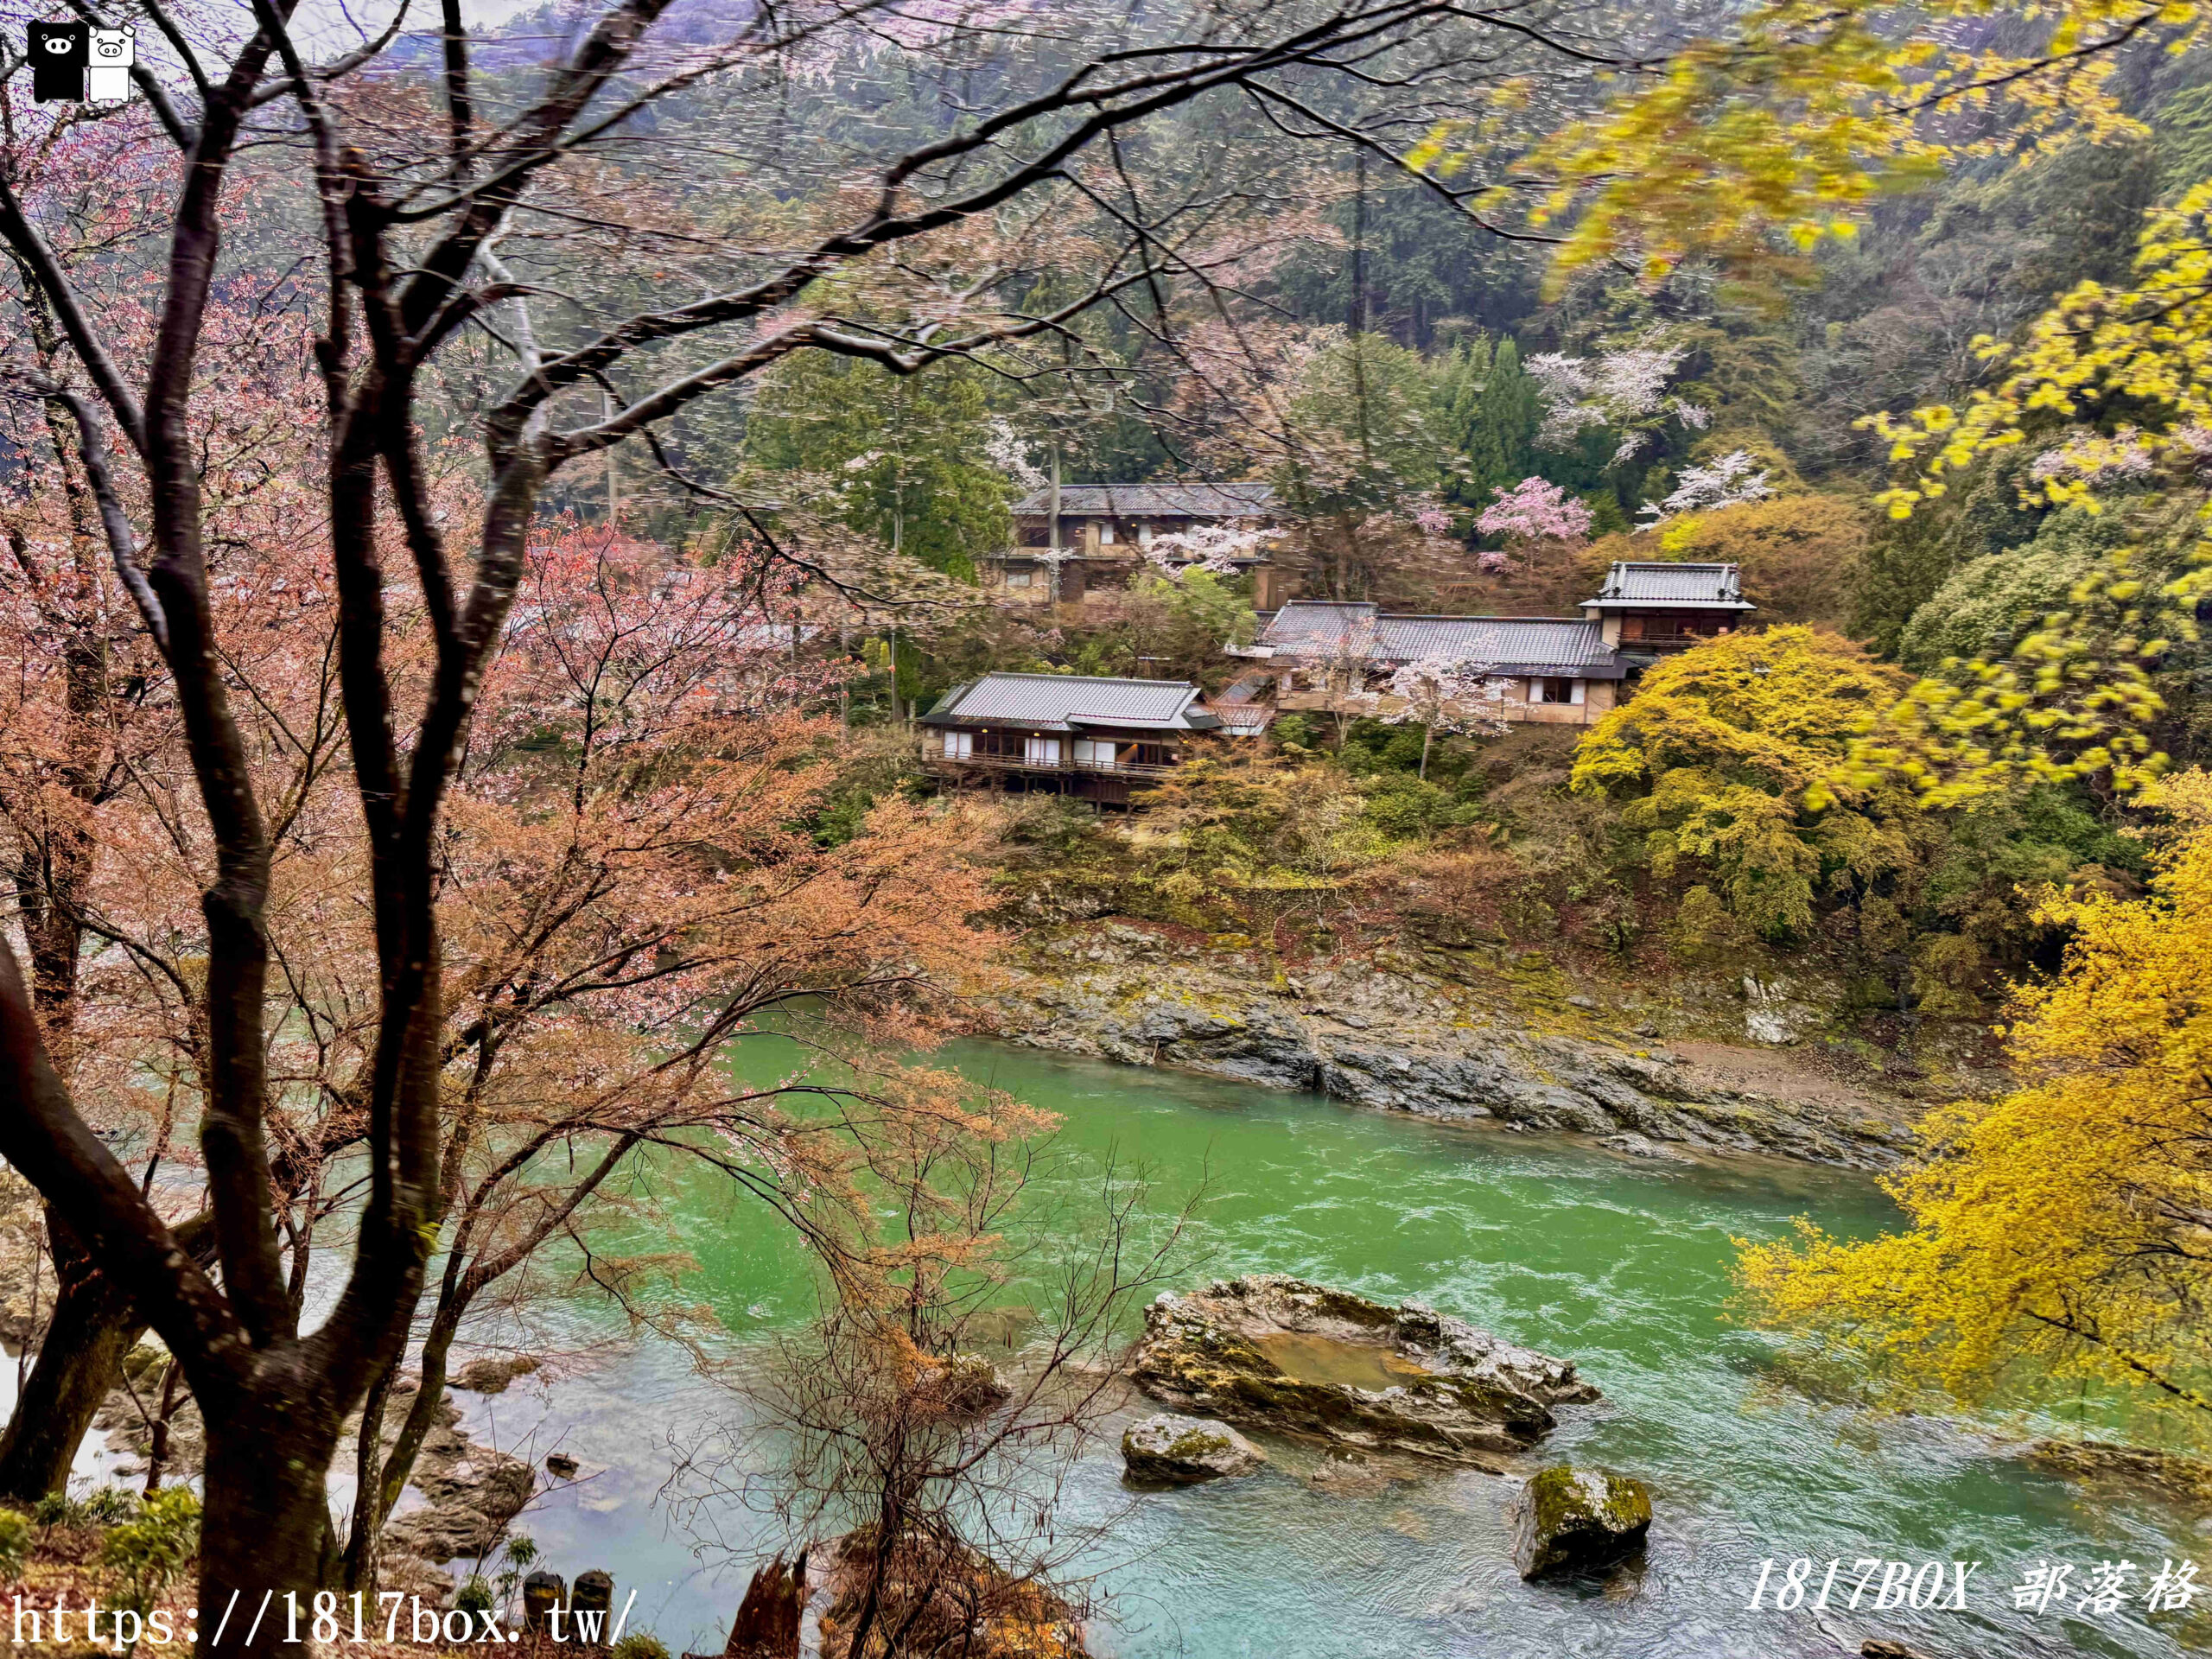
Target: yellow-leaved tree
x=2063, y=1232
x=1724, y=761
x=1755, y=144
x=2114, y=383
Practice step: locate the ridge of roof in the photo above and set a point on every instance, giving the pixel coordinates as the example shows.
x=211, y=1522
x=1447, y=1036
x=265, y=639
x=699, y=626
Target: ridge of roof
x=1716, y=584
x=1230, y=496
x=1070, y=679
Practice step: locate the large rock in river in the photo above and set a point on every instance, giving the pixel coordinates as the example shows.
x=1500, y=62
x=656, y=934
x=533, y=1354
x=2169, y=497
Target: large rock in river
x=1301, y=1358
x=1570, y=1520
x=1182, y=1451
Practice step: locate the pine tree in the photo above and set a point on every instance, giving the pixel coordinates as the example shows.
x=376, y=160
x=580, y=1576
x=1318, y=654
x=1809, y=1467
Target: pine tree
x=1489, y=410
x=1501, y=439
x=1460, y=375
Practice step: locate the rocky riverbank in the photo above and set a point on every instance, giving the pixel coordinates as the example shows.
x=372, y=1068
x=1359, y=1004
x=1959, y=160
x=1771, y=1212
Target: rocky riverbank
x=1462, y=1038
x=460, y=1499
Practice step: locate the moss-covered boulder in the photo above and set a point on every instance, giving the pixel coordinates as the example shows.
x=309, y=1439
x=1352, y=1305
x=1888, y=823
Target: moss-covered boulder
x=1301, y=1358
x=1570, y=1520
x=1170, y=1451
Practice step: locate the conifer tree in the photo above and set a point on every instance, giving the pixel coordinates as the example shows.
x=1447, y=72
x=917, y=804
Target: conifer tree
x=1501, y=440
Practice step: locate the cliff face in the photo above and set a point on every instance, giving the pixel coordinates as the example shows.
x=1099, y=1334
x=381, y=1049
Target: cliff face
x=1398, y=1031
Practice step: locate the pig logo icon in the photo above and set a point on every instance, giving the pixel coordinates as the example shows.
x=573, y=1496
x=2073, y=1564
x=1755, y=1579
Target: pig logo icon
x=107, y=80
x=59, y=54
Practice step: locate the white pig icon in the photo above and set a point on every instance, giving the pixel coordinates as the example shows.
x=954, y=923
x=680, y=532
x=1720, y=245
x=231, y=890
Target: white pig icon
x=108, y=79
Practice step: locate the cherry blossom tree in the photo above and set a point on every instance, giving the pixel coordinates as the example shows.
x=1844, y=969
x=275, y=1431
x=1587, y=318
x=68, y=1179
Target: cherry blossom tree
x=1727, y=481
x=1532, y=514
x=104, y=860
x=1624, y=389
x=1445, y=694
x=1214, y=549
x=629, y=883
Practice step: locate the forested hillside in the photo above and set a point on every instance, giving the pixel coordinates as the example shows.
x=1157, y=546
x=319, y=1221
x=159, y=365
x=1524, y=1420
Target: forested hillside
x=1462, y=423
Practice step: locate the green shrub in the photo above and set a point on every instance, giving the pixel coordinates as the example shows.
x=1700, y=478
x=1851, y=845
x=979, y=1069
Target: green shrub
x=109, y=1506
x=1403, y=749
x=474, y=1596
x=1703, y=926
x=57, y=1510
x=146, y=1554
x=16, y=1533
x=639, y=1645
x=1403, y=807
x=520, y=1553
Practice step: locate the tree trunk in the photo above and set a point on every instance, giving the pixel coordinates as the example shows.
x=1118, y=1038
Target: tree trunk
x=157, y=1441
x=399, y=1463
x=1428, y=736
x=767, y=1623
x=265, y=1526
x=79, y=1360
x=364, y=1560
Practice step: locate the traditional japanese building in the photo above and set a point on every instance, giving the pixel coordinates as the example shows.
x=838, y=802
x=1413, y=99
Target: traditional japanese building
x=1647, y=609
x=1069, y=733
x=1338, y=655
x=1098, y=536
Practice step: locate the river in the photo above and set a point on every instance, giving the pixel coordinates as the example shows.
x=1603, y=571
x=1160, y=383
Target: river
x=1618, y=1263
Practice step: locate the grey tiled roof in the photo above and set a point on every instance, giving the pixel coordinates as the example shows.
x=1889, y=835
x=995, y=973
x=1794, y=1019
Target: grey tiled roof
x=1065, y=702
x=1513, y=645
x=1154, y=502
x=1704, y=587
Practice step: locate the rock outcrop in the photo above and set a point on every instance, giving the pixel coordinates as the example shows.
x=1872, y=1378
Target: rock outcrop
x=492, y=1374
x=1301, y=1358
x=769, y=1618
x=1404, y=1040
x=472, y=1491
x=1170, y=1450
x=1570, y=1520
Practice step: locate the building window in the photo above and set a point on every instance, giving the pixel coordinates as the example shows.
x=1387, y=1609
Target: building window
x=1041, y=751
x=1106, y=534
x=1144, y=534
x=1094, y=752
x=1556, y=691
x=958, y=745
x=1020, y=578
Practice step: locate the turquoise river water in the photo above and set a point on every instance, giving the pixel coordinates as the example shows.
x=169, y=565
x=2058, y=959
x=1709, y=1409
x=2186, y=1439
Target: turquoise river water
x=1618, y=1263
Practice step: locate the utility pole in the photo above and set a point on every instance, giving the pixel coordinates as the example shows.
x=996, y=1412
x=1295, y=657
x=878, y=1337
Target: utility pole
x=613, y=490
x=1356, y=320
x=1052, y=526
